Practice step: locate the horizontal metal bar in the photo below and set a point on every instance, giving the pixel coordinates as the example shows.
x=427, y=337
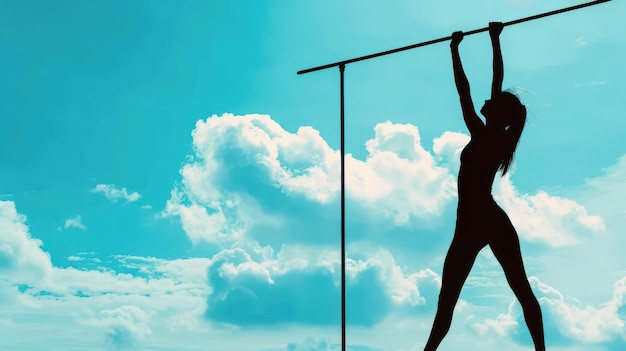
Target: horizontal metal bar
x=404, y=48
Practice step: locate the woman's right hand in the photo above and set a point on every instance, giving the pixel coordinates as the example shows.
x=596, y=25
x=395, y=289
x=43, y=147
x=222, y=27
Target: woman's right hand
x=495, y=28
x=457, y=37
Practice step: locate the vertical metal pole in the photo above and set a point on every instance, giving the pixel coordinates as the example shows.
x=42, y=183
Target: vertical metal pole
x=343, y=216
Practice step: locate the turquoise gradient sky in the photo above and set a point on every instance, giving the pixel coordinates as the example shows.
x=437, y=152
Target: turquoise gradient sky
x=168, y=182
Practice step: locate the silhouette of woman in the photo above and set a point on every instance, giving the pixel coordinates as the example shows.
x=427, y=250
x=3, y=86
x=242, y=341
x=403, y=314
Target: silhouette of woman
x=480, y=221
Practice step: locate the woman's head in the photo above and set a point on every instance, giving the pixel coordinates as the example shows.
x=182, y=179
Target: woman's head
x=506, y=114
x=503, y=111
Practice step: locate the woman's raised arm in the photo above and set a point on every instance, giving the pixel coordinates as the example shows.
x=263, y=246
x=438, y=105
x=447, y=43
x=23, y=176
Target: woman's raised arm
x=473, y=122
x=495, y=28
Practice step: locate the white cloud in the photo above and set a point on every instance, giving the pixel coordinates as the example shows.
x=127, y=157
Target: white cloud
x=249, y=268
x=122, y=307
x=252, y=275
x=565, y=316
x=591, y=83
x=208, y=222
x=146, y=207
x=18, y=250
x=300, y=163
x=313, y=344
x=114, y=194
x=545, y=218
x=588, y=324
x=447, y=149
x=581, y=41
x=606, y=192
x=24, y=262
x=74, y=222
x=399, y=180
x=499, y=327
x=126, y=326
x=402, y=288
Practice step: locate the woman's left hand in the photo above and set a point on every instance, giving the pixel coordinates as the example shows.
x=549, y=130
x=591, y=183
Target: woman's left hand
x=457, y=37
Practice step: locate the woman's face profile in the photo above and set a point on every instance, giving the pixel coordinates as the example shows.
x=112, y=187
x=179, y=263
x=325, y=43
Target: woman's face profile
x=495, y=113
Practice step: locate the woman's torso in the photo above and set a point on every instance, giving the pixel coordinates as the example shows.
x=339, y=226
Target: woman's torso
x=480, y=160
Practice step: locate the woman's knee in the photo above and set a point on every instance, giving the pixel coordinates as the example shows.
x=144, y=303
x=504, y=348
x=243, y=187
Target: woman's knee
x=524, y=294
x=447, y=300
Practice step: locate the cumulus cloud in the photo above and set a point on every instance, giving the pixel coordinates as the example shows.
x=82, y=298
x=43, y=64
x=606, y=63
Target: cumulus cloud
x=215, y=222
x=589, y=324
x=248, y=291
x=402, y=288
x=447, y=149
x=566, y=320
x=252, y=287
x=112, y=193
x=545, y=218
x=19, y=251
x=240, y=161
x=539, y=217
x=127, y=325
x=247, y=169
x=407, y=183
x=73, y=222
x=251, y=283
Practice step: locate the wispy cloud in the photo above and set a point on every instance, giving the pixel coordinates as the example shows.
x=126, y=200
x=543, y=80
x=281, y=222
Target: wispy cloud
x=112, y=193
x=73, y=222
x=314, y=344
x=591, y=83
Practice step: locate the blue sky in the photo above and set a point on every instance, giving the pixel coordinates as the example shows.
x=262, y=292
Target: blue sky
x=169, y=183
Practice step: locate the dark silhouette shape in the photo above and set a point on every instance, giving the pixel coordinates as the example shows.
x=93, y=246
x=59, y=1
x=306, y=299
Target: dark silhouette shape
x=480, y=221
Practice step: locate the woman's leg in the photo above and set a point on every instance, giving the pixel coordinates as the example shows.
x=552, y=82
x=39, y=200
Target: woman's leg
x=506, y=249
x=456, y=268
